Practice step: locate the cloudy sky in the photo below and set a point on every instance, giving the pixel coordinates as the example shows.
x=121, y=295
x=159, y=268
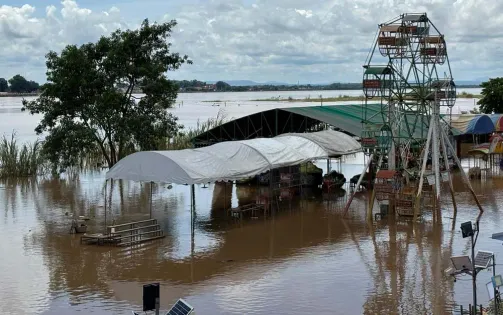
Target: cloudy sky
x=311, y=41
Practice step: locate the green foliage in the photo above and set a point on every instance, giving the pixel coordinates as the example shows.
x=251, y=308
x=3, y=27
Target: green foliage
x=18, y=84
x=183, y=139
x=222, y=86
x=190, y=85
x=4, y=86
x=465, y=94
x=492, y=96
x=88, y=102
x=19, y=161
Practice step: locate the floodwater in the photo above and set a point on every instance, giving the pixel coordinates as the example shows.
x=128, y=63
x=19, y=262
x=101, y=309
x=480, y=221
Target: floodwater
x=302, y=259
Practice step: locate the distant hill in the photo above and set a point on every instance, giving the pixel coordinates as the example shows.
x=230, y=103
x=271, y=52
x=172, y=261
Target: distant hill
x=467, y=82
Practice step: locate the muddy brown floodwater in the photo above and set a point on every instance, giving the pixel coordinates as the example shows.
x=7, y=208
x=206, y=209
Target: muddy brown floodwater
x=304, y=259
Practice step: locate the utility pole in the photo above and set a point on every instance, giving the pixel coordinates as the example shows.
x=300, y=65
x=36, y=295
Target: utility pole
x=474, y=276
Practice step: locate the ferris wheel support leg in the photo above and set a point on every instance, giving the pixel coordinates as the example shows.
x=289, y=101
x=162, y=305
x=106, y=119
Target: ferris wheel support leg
x=436, y=159
x=451, y=186
x=423, y=169
x=370, y=207
x=350, y=200
x=463, y=174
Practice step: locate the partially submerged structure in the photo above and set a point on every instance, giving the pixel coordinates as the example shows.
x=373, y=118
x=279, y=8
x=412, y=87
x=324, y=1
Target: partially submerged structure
x=401, y=74
x=232, y=160
x=237, y=160
x=346, y=118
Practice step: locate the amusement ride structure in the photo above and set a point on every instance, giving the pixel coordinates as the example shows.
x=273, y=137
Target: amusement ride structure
x=408, y=141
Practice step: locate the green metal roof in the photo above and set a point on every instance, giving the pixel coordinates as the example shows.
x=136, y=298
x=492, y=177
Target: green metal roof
x=348, y=118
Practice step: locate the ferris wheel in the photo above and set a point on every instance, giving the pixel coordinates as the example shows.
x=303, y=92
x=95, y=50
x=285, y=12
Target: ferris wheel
x=407, y=82
x=407, y=78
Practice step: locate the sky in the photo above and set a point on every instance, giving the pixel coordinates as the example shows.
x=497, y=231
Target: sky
x=307, y=41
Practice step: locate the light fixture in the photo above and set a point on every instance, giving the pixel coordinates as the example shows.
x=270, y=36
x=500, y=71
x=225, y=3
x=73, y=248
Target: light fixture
x=467, y=229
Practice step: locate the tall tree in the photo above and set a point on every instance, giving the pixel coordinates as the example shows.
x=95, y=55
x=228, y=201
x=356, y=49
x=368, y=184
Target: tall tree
x=222, y=86
x=492, y=96
x=19, y=84
x=88, y=101
x=4, y=86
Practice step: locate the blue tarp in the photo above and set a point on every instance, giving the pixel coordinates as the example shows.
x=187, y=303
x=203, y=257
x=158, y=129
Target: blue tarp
x=497, y=121
x=473, y=124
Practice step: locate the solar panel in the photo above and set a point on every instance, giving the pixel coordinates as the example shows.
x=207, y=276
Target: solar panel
x=180, y=308
x=497, y=236
x=482, y=259
x=461, y=263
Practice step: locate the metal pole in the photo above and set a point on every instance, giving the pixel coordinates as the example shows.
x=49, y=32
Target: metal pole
x=496, y=299
x=151, y=194
x=157, y=305
x=474, y=277
x=106, y=182
x=423, y=169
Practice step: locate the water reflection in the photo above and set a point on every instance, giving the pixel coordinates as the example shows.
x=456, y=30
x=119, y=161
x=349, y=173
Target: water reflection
x=303, y=257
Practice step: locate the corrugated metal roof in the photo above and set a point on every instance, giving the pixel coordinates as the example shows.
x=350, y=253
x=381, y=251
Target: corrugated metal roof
x=348, y=118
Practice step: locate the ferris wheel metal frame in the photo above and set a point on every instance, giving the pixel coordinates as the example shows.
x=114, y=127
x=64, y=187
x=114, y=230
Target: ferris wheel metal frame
x=410, y=92
x=407, y=84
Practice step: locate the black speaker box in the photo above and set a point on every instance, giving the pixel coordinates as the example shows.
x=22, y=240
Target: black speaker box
x=150, y=293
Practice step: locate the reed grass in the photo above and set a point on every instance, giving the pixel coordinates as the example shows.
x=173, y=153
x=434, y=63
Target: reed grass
x=183, y=139
x=20, y=160
x=27, y=159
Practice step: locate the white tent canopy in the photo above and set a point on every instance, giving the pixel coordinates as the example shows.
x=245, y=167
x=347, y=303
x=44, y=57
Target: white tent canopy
x=232, y=160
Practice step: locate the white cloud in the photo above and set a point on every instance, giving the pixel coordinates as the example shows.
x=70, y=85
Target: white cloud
x=282, y=40
x=306, y=13
x=26, y=38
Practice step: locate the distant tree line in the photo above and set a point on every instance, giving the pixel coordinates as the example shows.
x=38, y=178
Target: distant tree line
x=221, y=86
x=18, y=84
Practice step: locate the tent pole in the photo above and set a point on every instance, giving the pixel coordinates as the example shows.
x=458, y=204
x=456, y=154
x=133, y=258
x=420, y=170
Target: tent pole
x=193, y=205
x=151, y=195
x=106, y=182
